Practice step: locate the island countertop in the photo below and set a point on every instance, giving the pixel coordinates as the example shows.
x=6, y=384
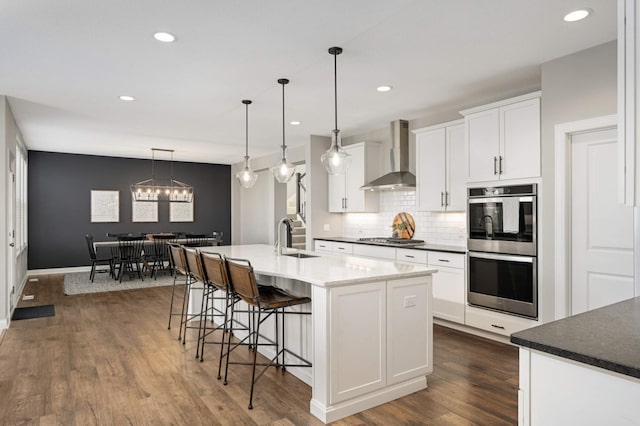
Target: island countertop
x=324, y=270
x=607, y=337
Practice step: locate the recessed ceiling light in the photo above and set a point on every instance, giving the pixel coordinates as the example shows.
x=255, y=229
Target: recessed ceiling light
x=577, y=15
x=383, y=88
x=295, y=123
x=127, y=98
x=164, y=37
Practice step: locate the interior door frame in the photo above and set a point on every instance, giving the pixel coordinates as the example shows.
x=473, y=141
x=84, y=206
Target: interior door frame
x=562, y=215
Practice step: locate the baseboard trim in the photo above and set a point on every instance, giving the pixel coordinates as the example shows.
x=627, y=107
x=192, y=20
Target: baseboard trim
x=334, y=412
x=51, y=271
x=4, y=324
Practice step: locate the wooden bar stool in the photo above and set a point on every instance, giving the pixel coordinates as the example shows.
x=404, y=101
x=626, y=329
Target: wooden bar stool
x=180, y=268
x=216, y=276
x=266, y=301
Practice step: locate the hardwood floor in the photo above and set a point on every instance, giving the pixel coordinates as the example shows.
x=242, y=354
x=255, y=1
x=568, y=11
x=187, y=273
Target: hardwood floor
x=108, y=359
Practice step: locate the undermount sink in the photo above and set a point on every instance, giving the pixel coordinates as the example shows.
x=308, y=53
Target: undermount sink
x=300, y=255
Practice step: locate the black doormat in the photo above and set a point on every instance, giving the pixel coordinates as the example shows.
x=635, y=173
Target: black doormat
x=34, y=312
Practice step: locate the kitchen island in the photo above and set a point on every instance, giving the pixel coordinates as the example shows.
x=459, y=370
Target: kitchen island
x=370, y=334
x=584, y=369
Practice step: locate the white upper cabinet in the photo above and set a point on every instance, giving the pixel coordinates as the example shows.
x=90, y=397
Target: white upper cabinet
x=440, y=167
x=503, y=139
x=345, y=195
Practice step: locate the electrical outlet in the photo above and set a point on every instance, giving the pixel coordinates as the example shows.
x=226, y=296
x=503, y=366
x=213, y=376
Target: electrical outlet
x=326, y=227
x=409, y=301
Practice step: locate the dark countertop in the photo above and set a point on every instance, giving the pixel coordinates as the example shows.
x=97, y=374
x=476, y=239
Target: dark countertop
x=428, y=247
x=607, y=337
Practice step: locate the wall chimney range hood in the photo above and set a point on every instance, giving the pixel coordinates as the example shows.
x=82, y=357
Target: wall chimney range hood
x=400, y=177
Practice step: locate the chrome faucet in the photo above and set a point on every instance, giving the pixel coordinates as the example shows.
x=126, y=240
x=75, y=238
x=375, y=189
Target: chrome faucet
x=288, y=227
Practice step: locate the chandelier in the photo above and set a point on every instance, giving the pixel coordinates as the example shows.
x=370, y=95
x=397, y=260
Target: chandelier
x=162, y=189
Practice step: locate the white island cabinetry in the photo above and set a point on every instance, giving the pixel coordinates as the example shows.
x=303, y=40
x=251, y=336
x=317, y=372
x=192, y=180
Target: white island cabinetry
x=370, y=335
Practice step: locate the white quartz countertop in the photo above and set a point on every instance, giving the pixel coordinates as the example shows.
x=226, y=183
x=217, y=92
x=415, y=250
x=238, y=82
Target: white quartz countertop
x=325, y=270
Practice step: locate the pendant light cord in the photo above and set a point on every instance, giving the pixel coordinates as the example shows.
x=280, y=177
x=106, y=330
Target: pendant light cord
x=246, y=132
x=335, y=88
x=283, y=127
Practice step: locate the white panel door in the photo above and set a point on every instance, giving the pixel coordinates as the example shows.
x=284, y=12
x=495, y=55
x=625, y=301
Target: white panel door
x=456, y=169
x=520, y=140
x=601, y=229
x=357, y=340
x=483, y=144
x=430, y=169
x=355, y=179
x=336, y=193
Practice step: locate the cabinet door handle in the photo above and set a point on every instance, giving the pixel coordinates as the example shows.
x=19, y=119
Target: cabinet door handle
x=495, y=165
x=497, y=326
x=500, y=167
x=409, y=256
x=446, y=198
x=345, y=203
x=441, y=199
x=340, y=248
x=443, y=260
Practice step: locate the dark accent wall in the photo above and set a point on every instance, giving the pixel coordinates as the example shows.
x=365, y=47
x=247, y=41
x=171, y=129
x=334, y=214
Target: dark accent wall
x=60, y=202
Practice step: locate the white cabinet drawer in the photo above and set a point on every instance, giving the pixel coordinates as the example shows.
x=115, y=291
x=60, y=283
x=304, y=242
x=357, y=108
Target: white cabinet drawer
x=451, y=260
x=326, y=246
x=409, y=255
x=496, y=322
x=378, y=252
x=344, y=248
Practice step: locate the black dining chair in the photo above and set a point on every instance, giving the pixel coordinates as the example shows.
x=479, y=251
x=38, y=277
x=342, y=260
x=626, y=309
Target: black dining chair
x=159, y=257
x=95, y=260
x=130, y=255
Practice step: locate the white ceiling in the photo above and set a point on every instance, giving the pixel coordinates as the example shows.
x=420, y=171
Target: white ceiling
x=65, y=62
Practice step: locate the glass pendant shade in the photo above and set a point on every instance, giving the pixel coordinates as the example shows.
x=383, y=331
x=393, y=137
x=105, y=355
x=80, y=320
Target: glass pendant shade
x=336, y=160
x=283, y=171
x=247, y=177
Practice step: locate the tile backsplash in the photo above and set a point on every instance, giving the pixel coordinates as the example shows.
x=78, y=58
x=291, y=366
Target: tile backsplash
x=433, y=227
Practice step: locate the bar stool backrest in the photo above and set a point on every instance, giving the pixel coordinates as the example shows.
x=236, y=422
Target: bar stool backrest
x=194, y=264
x=243, y=280
x=215, y=270
x=178, y=258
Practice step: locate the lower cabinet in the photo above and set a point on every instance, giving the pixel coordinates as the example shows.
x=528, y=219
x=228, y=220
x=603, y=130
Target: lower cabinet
x=495, y=322
x=380, y=335
x=449, y=288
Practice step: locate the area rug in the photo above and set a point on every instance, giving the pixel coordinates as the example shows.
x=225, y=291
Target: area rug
x=33, y=312
x=79, y=283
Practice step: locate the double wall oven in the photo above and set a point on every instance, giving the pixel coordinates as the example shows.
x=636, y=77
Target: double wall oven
x=502, y=261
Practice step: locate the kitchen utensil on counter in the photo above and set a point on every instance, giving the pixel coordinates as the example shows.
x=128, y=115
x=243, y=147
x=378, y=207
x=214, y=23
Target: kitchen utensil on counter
x=403, y=225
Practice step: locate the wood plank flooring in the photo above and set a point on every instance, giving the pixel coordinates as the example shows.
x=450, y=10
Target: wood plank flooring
x=108, y=359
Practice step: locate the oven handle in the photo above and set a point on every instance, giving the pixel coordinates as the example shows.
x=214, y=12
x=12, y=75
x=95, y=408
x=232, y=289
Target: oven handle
x=521, y=259
x=497, y=200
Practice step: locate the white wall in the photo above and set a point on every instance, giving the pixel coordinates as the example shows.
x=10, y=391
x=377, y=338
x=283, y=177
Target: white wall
x=8, y=134
x=574, y=87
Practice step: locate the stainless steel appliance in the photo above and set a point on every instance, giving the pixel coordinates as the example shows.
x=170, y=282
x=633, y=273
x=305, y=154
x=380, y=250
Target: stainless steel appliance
x=503, y=219
x=502, y=243
x=391, y=241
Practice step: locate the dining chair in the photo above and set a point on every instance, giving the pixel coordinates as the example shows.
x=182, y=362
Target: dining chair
x=159, y=254
x=95, y=260
x=130, y=255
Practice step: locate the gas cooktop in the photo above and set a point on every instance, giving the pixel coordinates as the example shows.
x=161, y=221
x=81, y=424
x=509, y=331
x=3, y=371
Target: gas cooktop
x=391, y=241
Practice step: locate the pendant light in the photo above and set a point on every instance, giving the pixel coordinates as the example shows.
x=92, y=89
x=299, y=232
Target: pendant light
x=246, y=177
x=336, y=160
x=283, y=170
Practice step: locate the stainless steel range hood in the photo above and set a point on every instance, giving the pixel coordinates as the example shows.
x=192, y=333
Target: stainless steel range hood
x=400, y=177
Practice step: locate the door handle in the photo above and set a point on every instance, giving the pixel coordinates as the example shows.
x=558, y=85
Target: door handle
x=345, y=203
x=500, y=168
x=495, y=165
x=446, y=198
x=12, y=245
x=441, y=199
